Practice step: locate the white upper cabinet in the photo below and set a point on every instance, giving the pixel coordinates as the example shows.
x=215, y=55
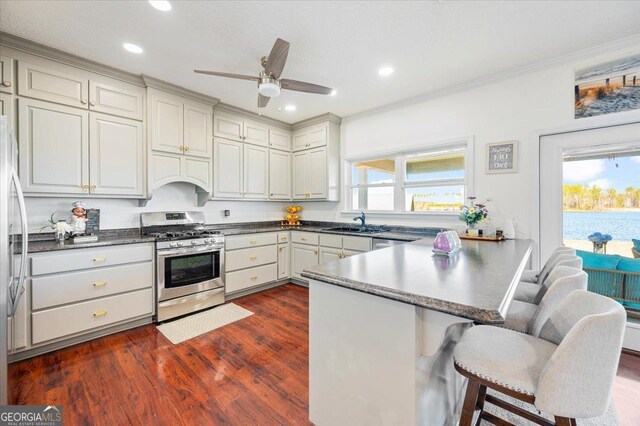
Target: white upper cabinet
x=7, y=82
x=280, y=139
x=166, y=122
x=54, y=148
x=227, y=168
x=228, y=127
x=121, y=99
x=300, y=173
x=55, y=84
x=279, y=175
x=255, y=172
x=310, y=137
x=256, y=133
x=7, y=105
x=116, y=155
x=197, y=130
x=310, y=174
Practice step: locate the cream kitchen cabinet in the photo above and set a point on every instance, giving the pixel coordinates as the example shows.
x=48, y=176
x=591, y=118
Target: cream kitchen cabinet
x=302, y=257
x=284, y=255
x=241, y=170
x=121, y=99
x=310, y=137
x=179, y=125
x=240, y=129
x=250, y=260
x=67, y=150
x=328, y=254
x=7, y=106
x=166, y=168
x=279, y=175
x=280, y=139
x=7, y=82
x=310, y=174
x=55, y=83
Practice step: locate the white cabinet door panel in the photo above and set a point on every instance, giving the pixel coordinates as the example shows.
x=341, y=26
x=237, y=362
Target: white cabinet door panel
x=124, y=101
x=256, y=171
x=329, y=254
x=300, y=175
x=280, y=139
x=279, y=175
x=227, y=127
x=197, y=130
x=247, y=278
x=49, y=84
x=302, y=257
x=198, y=172
x=165, y=168
x=227, y=168
x=54, y=148
x=256, y=133
x=318, y=136
x=317, y=184
x=7, y=107
x=166, y=123
x=284, y=261
x=300, y=140
x=116, y=155
x=7, y=82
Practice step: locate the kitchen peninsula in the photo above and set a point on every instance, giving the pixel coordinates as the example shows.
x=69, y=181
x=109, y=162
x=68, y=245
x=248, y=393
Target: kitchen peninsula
x=383, y=325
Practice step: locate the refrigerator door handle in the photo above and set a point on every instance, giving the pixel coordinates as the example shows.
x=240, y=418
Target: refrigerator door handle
x=17, y=292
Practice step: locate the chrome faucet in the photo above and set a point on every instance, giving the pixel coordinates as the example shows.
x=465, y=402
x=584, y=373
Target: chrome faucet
x=362, y=218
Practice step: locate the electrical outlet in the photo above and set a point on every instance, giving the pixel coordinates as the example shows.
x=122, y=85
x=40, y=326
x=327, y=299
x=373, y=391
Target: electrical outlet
x=227, y=213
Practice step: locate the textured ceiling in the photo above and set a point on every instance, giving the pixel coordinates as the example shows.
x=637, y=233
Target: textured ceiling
x=431, y=45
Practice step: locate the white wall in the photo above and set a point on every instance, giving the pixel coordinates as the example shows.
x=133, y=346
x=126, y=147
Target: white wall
x=176, y=196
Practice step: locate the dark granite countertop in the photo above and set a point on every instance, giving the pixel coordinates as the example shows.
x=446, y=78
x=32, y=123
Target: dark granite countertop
x=477, y=282
x=39, y=243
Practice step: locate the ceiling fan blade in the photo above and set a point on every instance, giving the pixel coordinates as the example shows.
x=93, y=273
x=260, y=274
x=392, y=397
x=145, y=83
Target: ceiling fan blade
x=277, y=58
x=301, y=86
x=263, y=101
x=228, y=74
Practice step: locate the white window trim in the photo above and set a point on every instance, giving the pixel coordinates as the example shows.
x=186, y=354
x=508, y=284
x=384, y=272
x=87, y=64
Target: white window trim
x=467, y=142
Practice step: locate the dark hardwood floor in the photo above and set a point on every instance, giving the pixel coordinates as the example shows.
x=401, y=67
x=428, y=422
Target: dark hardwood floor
x=251, y=372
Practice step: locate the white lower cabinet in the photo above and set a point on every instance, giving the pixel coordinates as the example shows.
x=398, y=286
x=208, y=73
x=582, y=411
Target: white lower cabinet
x=302, y=257
x=250, y=260
x=247, y=278
x=284, y=261
x=329, y=254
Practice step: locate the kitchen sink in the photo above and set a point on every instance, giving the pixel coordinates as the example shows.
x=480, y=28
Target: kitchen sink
x=355, y=230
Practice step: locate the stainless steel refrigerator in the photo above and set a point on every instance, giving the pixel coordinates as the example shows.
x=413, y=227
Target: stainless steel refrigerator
x=13, y=231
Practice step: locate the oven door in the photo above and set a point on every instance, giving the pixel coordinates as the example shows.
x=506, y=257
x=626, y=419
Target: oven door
x=187, y=271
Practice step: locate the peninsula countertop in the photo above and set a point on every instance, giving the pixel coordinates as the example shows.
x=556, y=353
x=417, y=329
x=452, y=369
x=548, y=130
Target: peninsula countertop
x=476, y=283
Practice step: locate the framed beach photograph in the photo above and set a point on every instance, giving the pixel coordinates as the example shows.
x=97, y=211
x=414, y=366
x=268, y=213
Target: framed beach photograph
x=608, y=87
x=502, y=157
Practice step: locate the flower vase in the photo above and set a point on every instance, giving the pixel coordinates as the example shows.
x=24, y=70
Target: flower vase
x=472, y=231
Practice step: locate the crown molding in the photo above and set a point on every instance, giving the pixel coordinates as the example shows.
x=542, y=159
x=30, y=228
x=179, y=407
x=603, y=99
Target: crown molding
x=31, y=47
x=316, y=120
x=254, y=116
x=607, y=49
x=178, y=90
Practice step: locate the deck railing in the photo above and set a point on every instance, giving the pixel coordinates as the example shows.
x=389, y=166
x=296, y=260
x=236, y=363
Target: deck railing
x=623, y=286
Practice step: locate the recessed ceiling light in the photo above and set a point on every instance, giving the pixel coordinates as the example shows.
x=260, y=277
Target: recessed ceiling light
x=162, y=5
x=290, y=107
x=333, y=92
x=385, y=71
x=133, y=48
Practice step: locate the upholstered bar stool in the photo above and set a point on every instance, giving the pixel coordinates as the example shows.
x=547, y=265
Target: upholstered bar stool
x=538, y=277
x=566, y=371
x=564, y=280
x=528, y=292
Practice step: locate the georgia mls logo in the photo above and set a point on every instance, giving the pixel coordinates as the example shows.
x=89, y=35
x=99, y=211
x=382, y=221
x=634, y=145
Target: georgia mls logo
x=30, y=415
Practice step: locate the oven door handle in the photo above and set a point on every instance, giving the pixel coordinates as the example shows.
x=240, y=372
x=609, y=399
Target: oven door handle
x=189, y=250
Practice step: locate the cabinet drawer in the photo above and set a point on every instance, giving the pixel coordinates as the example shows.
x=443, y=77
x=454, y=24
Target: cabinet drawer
x=125, y=100
x=283, y=237
x=329, y=240
x=356, y=243
x=74, y=287
x=239, y=280
x=250, y=240
x=66, y=320
x=250, y=257
x=304, y=238
x=50, y=84
x=73, y=260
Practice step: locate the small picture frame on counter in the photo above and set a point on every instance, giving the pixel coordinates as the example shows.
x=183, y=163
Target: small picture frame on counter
x=93, y=221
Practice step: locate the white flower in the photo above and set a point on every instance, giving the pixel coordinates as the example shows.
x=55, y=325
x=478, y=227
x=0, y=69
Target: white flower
x=62, y=226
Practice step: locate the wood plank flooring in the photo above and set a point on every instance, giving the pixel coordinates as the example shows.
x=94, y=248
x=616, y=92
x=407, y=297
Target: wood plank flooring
x=251, y=372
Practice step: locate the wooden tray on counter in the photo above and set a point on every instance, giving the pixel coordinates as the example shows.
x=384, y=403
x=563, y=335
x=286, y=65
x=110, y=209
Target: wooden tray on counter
x=483, y=238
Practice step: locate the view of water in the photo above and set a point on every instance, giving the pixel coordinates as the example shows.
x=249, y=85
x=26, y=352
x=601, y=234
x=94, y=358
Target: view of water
x=623, y=226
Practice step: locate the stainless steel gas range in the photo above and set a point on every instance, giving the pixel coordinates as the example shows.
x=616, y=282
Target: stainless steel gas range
x=189, y=262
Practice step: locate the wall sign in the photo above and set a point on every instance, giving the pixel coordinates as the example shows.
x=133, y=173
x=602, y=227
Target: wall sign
x=502, y=157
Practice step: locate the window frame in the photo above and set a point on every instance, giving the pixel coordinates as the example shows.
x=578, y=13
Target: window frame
x=400, y=185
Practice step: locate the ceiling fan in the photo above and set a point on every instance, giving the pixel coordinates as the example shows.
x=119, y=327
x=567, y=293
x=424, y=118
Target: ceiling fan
x=269, y=81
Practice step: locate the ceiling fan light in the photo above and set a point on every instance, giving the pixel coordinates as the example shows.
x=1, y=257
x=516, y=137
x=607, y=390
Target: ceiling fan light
x=269, y=89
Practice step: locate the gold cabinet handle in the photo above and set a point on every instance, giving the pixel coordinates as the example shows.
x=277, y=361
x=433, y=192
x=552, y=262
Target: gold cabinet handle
x=92, y=103
x=281, y=248
x=100, y=284
x=253, y=278
x=253, y=242
x=315, y=252
x=303, y=239
x=85, y=187
x=6, y=83
x=186, y=149
x=92, y=187
x=253, y=258
x=83, y=101
x=99, y=314
x=181, y=148
x=99, y=259
x=271, y=195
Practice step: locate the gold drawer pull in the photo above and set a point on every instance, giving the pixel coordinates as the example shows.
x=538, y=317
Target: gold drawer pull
x=253, y=258
x=99, y=314
x=303, y=239
x=282, y=248
x=99, y=259
x=100, y=284
x=253, y=278
x=253, y=242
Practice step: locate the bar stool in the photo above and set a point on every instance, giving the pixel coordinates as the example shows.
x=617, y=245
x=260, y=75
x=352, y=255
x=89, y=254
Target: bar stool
x=529, y=292
x=566, y=370
x=532, y=276
x=564, y=280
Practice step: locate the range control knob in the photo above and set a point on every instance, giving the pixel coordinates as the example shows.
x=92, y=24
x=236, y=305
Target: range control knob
x=194, y=242
x=207, y=240
x=173, y=244
x=180, y=243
